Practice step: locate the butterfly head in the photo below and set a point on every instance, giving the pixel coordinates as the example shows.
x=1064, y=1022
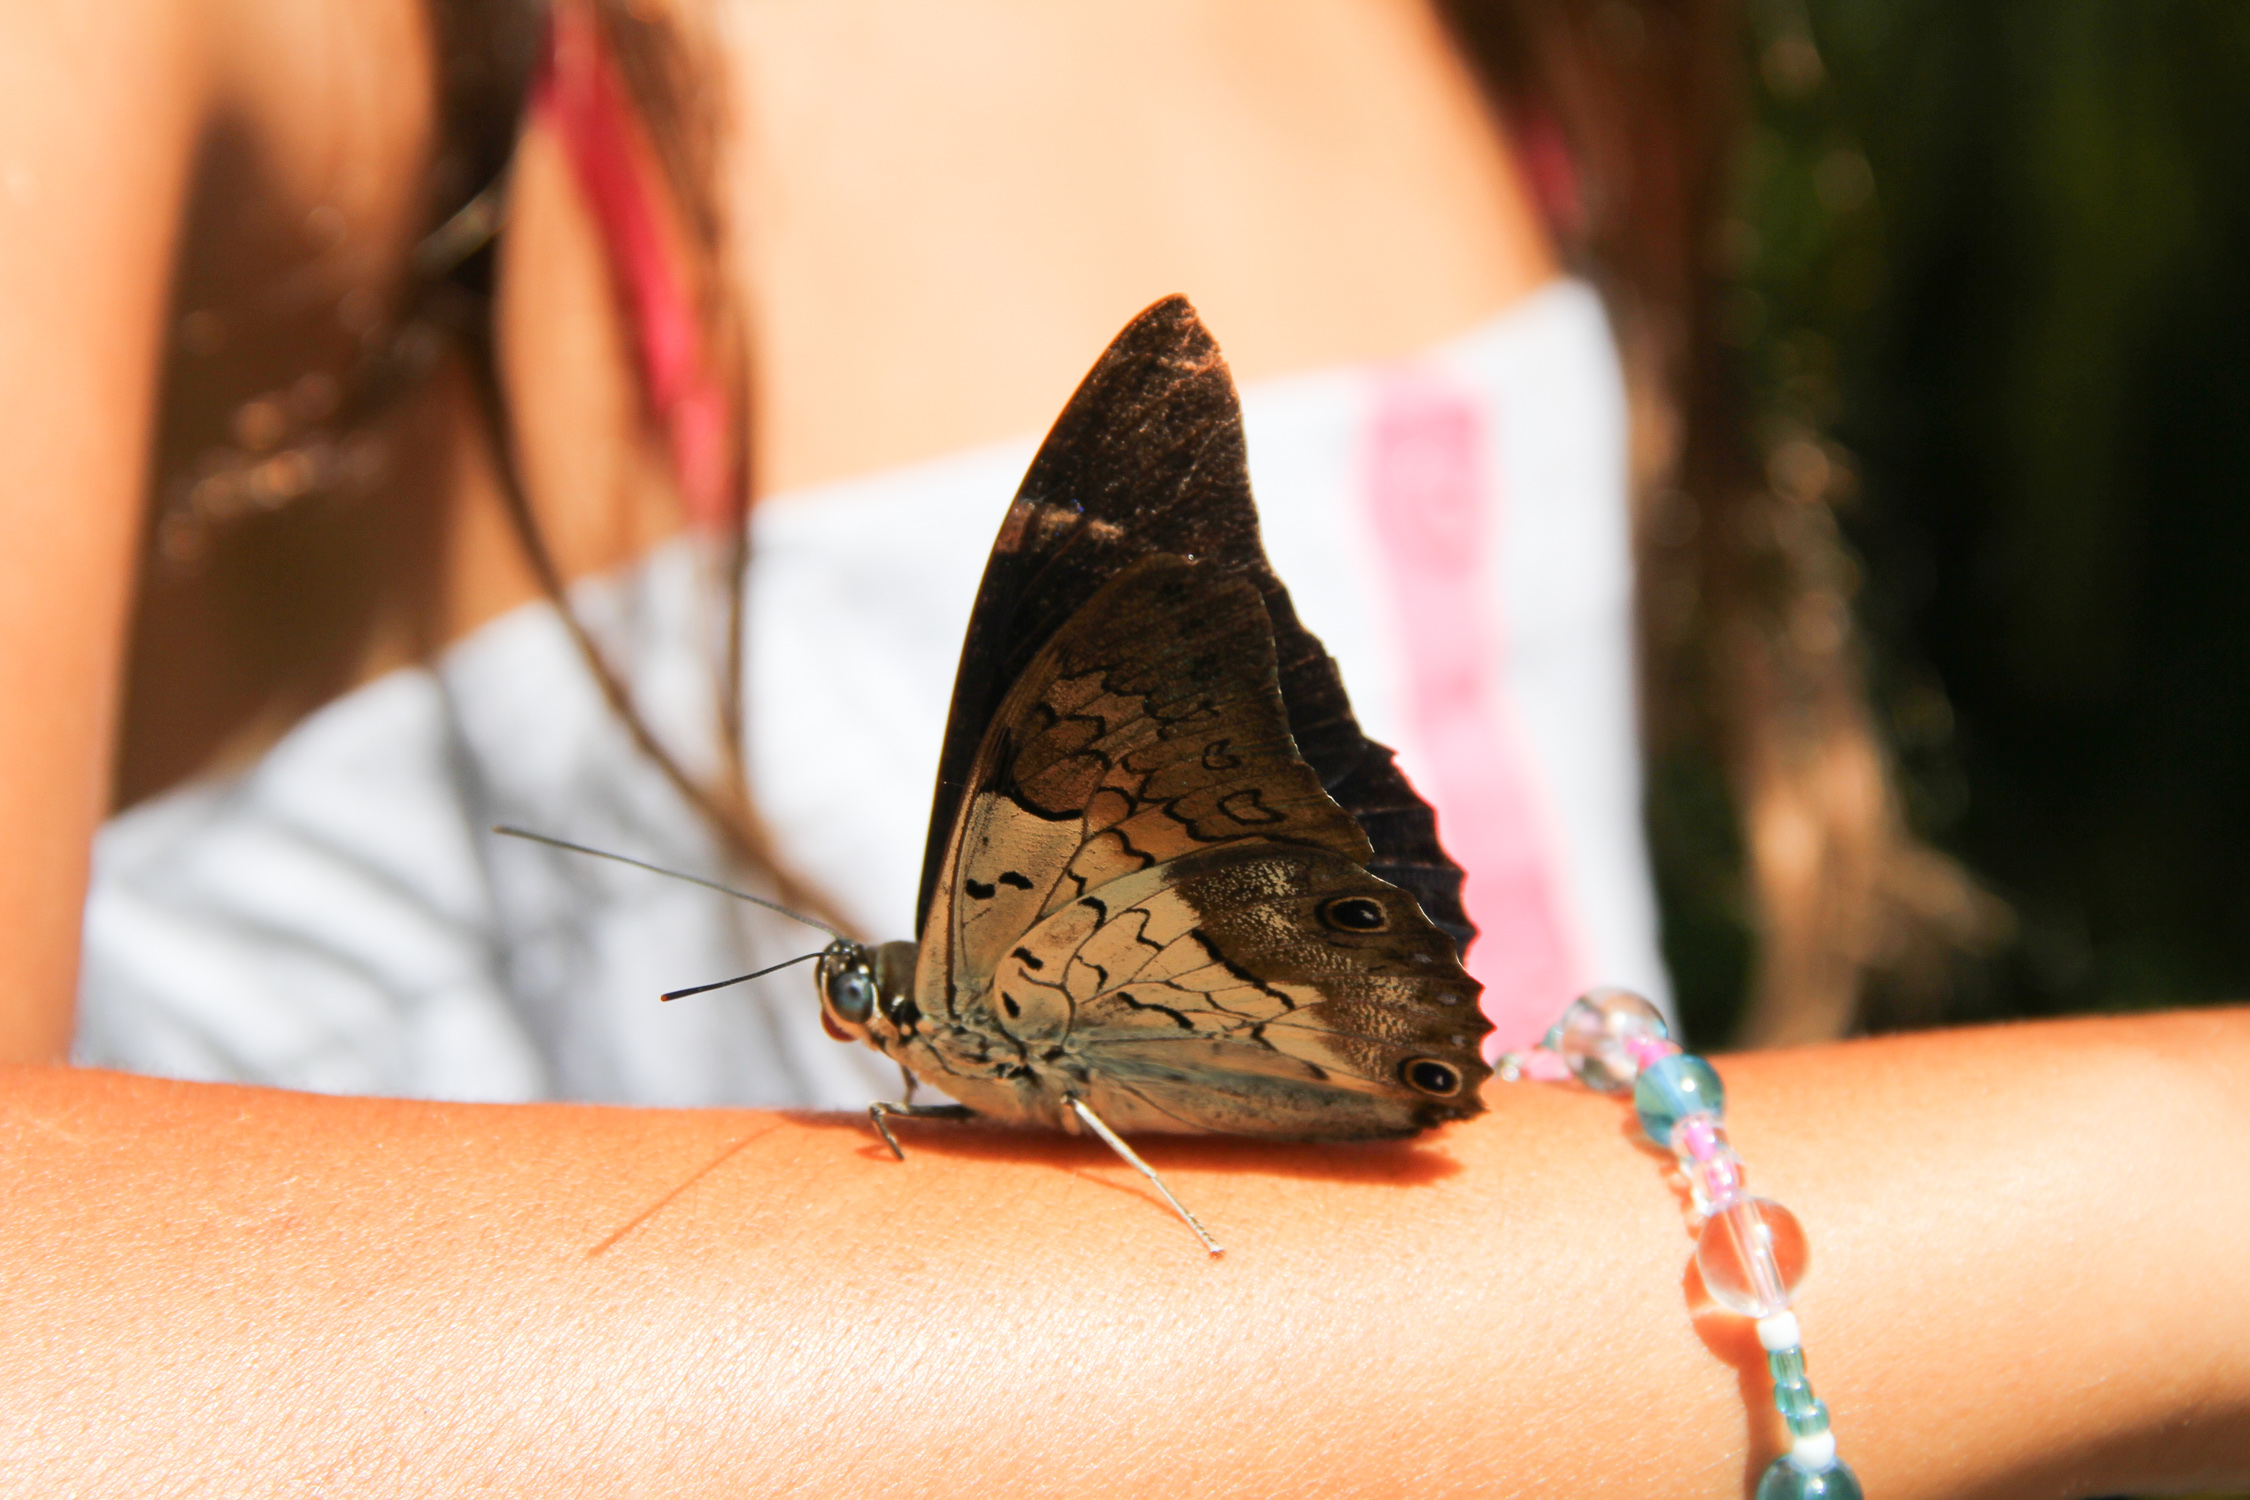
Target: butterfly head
x=866, y=993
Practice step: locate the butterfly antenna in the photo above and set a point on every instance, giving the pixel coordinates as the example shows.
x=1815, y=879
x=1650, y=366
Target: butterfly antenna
x=712, y=885
x=1117, y=1144
x=720, y=984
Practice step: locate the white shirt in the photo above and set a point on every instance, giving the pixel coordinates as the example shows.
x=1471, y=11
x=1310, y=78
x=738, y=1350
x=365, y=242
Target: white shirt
x=337, y=917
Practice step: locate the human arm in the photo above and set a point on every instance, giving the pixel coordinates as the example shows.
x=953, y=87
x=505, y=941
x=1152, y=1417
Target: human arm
x=97, y=107
x=2024, y=1262
x=244, y=161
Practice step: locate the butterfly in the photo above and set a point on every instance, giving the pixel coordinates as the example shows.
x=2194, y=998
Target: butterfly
x=1169, y=886
x=1167, y=876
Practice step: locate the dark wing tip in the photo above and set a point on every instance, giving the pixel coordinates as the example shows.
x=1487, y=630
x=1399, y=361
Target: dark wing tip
x=1140, y=411
x=1169, y=334
x=1168, y=322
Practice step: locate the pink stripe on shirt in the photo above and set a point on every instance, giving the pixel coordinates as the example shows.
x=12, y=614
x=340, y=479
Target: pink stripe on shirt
x=1431, y=502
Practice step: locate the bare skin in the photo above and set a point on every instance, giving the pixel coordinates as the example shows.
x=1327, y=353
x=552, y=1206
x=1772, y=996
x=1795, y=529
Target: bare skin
x=230, y=1291
x=103, y=113
x=2024, y=1238
x=1320, y=178
x=77, y=355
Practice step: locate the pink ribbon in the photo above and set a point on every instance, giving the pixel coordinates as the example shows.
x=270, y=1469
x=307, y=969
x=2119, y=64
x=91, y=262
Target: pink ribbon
x=579, y=97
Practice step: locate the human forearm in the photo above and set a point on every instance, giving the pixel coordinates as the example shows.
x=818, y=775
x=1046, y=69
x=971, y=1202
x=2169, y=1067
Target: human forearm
x=240, y=1291
x=2026, y=1240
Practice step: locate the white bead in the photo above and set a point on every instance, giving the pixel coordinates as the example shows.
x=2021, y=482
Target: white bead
x=1779, y=1332
x=1814, y=1453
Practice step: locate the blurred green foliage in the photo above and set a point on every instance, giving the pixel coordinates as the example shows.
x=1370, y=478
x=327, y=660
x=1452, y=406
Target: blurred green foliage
x=1993, y=267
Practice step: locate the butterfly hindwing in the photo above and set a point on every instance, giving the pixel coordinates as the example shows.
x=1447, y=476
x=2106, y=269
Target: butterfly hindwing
x=1212, y=994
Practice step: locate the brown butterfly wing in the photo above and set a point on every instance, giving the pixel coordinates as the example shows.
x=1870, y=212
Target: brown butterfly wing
x=1211, y=994
x=1140, y=906
x=1148, y=729
x=1148, y=458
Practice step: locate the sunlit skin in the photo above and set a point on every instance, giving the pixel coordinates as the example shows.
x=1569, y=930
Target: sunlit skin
x=2025, y=1241
x=247, y=1292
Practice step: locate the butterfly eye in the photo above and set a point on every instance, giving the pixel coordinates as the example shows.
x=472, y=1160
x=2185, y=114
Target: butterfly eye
x=1355, y=914
x=1431, y=1077
x=851, y=994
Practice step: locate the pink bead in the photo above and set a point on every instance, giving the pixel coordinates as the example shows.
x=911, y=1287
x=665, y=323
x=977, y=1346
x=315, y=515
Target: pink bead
x=1718, y=1182
x=1697, y=1138
x=1647, y=1050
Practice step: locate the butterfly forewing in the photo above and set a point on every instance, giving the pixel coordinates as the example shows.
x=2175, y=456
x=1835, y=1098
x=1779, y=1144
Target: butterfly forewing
x=1148, y=728
x=1148, y=458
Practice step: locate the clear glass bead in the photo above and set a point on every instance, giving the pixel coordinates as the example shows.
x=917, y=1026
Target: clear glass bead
x=1595, y=1037
x=1671, y=1090
x=1752, y=1255
x=1785, y=1481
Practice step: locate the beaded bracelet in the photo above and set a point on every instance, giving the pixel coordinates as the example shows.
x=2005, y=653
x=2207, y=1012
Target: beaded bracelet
x=1750, y=1251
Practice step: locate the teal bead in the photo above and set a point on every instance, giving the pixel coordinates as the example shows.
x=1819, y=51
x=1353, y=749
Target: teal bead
x=1811, y=1422
x=1785, y=1481
x=1787, y=1364
x=1672, y=1088
x=1793, y=1398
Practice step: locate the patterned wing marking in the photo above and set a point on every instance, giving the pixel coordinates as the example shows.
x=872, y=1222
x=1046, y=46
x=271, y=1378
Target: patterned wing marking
x=1149, y=727
x=1011, y=861
x=1210, y=994
x=1154, y=717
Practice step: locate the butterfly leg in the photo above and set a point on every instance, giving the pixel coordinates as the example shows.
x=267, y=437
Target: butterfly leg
x=1117, y=1144
x=879, y=1112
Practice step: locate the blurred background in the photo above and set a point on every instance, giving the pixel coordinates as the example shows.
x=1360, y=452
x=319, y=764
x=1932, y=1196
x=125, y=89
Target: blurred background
x=1992, y=303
